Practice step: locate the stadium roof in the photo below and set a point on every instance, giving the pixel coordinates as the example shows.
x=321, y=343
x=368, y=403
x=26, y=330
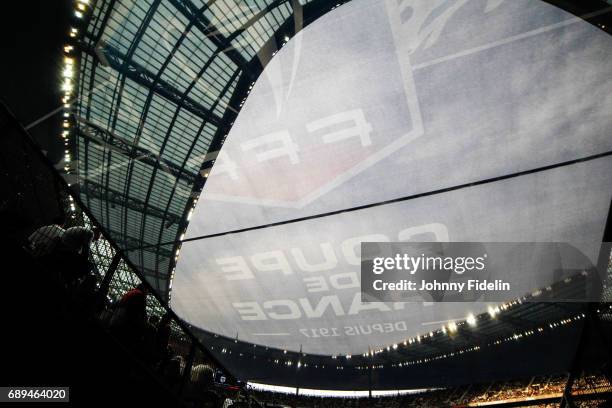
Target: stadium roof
x=159, y=86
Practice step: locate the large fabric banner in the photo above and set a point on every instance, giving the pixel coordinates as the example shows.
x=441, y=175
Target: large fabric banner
x=488, y=120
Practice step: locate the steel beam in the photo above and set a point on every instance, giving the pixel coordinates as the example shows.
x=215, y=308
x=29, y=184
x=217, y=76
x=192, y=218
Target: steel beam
x=97, y=191
x=131, y=242
x=142, y=76
x=202, y=23
x=105, y=138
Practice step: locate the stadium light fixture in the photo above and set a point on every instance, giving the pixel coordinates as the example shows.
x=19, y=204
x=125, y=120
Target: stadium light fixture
x=67, y=86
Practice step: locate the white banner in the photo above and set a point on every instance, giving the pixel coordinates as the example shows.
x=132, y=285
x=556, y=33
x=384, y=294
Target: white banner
x=385, y=99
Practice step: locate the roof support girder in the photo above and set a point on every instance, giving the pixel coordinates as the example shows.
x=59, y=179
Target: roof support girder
x=202, y=23
x=100, y=192
x=131, y=242
x=102, y=137
x=142, y=76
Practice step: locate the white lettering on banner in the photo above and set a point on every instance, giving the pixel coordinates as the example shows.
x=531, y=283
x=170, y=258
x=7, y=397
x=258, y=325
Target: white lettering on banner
x=318, y=311
x=293, y=309
x=250, y=310
x=288, y=309
x=280, y=143
x=350, y=278
x=281, y=261
x=340, y=281
x=278, y=261
x=287, y=147
x=376, y=328
x=225, y=165
x=316, y=284
x=357, y=330
x=272, y=261
x=237, y=268
x=330, y=262
x=361, y=129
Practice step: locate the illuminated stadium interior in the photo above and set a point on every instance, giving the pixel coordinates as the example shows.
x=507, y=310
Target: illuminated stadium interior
x=237, y=153
x=160, y=86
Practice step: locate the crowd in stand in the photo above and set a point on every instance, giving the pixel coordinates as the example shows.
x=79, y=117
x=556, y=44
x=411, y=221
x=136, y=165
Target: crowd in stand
x=517, y=389
x=471, y=395
x=65, y=254
x=65, y=251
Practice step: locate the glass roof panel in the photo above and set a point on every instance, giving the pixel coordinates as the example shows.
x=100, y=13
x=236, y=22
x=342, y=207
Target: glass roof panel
x=192, y=56
x=160, y=37
x=132, y=106
x=229, y=15
x=156, y=126
x=183, y=134
x=123, y=23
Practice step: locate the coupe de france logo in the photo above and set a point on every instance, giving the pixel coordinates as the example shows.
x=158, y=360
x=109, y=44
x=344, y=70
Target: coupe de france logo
x=316, y=133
